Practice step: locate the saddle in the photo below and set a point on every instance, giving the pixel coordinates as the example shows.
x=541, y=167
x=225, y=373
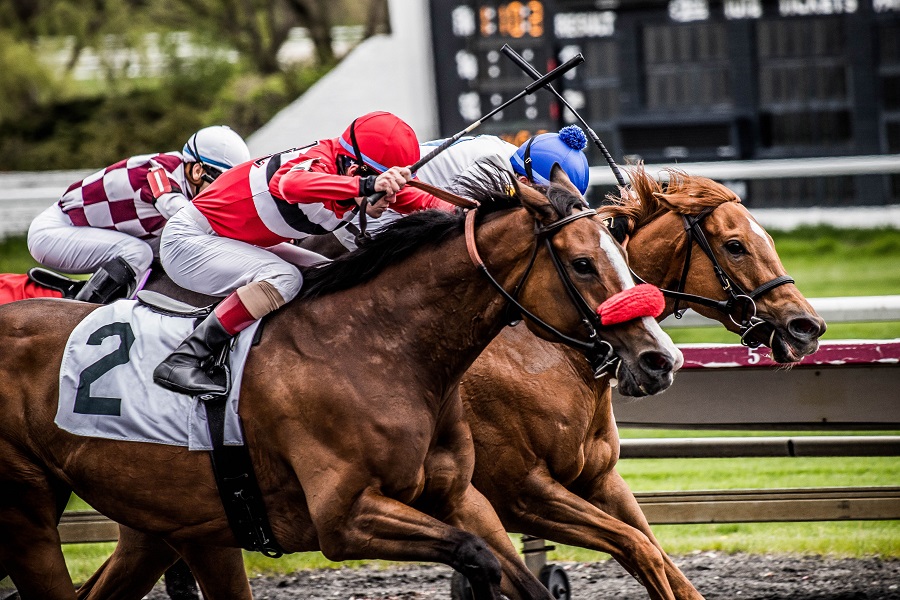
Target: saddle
x=165, y=305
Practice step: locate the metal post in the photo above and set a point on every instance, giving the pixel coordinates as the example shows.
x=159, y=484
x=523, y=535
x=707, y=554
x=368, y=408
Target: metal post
x=535, y=551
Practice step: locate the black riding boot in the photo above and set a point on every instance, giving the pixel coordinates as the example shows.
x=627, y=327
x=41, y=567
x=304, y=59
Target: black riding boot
x=113, y=280
x=188, y=369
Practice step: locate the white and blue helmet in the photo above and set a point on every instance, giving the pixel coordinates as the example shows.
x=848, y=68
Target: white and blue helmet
x=218, y=147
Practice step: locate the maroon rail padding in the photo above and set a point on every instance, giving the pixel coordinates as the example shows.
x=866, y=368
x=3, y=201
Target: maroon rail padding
x=830, y=354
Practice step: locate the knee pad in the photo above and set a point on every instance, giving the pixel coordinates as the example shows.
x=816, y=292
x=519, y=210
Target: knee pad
x=260, y=298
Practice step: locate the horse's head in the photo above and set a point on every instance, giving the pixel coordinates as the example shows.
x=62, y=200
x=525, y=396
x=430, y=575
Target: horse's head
x=573, y=277
x=696, y=237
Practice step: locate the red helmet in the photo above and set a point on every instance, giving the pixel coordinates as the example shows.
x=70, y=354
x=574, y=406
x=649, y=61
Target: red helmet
x=381, y=140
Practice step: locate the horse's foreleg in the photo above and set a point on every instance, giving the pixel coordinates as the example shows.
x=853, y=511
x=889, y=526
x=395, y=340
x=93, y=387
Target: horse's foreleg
x=372, y=526
x=614, y=496
x=132, y=570
x=219, y=571
x=544, y=508
x=475, y=514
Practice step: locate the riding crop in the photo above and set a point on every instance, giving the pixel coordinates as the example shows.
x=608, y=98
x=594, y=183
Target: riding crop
x=539, y=82
x=535, y=74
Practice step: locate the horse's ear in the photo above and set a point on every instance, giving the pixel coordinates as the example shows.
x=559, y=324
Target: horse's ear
x=559, y=177
x=664, y=200
x=538, y=205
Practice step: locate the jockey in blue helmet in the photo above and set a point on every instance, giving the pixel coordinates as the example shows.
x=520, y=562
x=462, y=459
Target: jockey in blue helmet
x=535, y=158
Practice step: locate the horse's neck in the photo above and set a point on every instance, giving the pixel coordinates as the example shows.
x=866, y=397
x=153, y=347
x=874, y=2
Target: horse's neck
x=434, y=308
x=656, y=253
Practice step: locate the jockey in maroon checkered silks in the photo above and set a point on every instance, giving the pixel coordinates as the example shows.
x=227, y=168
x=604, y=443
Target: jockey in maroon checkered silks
x=109, y=223
x=234, y=239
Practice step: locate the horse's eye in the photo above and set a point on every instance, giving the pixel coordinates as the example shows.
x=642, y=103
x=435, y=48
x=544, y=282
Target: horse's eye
x=735, y=247
x=583, y=266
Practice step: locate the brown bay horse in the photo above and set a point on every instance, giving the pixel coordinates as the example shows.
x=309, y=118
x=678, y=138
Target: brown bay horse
x=350, y=409
x=546, y=440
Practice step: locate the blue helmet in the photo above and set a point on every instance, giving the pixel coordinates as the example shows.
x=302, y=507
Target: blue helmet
x=535, y=158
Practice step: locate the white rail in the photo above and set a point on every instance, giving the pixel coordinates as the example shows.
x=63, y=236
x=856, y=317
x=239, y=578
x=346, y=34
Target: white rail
x=734, y=173
x=730, y=170
x=24, y=195
x=854, y=309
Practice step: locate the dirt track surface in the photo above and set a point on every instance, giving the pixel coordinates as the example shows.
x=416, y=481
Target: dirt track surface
x=716, y=575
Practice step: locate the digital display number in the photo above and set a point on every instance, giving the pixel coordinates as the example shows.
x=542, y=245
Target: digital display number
x=513, y=19
x=521, y=136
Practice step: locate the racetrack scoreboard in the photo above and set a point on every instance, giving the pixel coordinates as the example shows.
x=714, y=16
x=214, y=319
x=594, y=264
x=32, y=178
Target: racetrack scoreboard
x=473, y=76
x=689, y=80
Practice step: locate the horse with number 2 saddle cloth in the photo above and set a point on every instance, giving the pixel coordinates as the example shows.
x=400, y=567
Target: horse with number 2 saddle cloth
x=349, y=406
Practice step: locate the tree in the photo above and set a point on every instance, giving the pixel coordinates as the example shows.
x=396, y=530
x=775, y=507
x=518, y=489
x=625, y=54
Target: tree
x=258, y=28
x=377, y=18
x=315, y=15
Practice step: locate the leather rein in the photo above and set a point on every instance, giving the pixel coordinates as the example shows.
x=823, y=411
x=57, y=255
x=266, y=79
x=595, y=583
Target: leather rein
x=739, y=301
x=599, y=352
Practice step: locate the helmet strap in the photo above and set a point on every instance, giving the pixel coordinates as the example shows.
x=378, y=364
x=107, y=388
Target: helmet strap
x=527, y=160
x=363, y=236
x=209, y=173
x=356, y=151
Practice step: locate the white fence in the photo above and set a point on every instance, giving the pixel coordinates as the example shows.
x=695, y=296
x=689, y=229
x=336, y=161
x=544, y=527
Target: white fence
x=733, y=173
x=856, y=309
x=24, y=195
x=153, y=54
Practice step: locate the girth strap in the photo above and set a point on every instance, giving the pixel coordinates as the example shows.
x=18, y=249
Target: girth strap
x=238, y=487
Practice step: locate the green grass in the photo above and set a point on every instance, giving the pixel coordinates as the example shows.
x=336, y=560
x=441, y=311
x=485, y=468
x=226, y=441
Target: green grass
x=854, y=539
x=14, y=256
x=825, y=262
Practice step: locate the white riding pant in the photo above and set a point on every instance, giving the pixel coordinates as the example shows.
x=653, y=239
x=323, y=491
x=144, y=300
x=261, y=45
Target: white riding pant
x=58, y=244
x=195, y=257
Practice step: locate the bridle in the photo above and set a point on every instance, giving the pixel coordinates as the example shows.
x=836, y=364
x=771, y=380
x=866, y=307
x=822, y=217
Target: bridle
x=599, y=352
x=738, y=302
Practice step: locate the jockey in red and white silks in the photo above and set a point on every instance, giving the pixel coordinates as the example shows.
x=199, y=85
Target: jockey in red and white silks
x=531, y=163
x=109, y=223
x=235, y=238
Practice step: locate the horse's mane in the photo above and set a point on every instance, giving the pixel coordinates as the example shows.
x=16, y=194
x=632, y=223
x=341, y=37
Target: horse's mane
x=495, y=189
x=645, y=199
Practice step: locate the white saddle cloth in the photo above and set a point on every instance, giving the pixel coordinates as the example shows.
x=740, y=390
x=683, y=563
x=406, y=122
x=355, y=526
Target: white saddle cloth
x=106, y=384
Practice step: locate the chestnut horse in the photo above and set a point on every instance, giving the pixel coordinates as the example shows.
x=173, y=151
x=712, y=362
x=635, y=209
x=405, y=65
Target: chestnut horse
x=350, y=405
x=546, y=442
x=545, y=436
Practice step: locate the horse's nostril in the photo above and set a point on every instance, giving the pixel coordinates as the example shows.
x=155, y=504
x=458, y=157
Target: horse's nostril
x=656, y=362
x=806, y=328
